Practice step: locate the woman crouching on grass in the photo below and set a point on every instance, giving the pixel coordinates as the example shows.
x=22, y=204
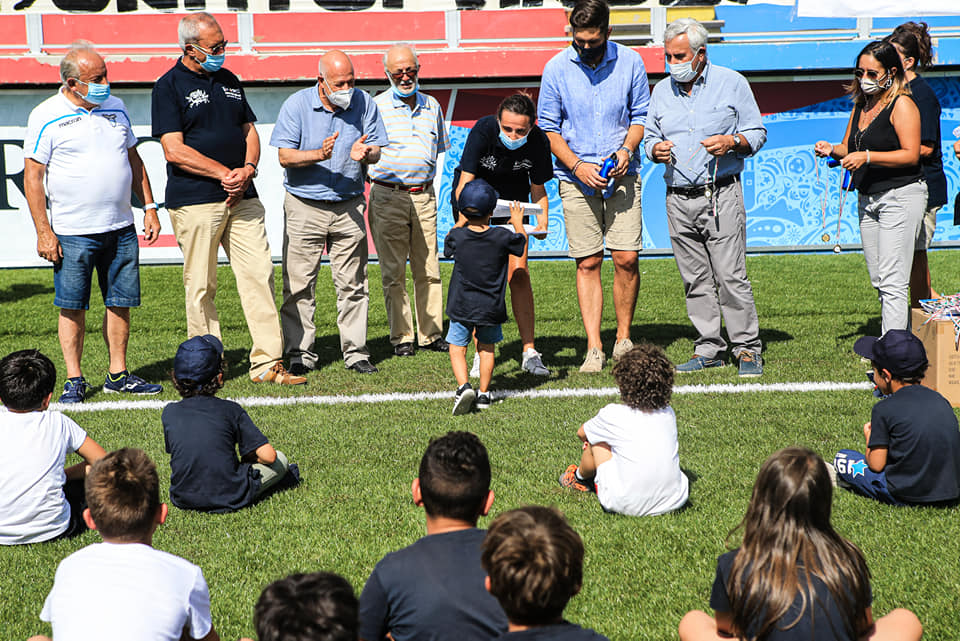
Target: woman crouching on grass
x=794, y=578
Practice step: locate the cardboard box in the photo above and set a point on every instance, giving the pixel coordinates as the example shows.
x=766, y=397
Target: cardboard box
x=939, y=340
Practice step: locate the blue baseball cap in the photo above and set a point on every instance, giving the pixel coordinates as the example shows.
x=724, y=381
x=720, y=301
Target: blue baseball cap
x=198, y=359
x=898, y=351
x=479, y=195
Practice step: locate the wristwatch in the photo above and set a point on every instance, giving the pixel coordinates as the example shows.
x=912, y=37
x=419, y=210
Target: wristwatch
x=255, y=172
x=736, y=141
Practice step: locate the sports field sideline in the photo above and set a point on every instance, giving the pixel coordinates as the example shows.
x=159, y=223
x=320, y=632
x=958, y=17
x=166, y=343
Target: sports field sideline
x=358, y=441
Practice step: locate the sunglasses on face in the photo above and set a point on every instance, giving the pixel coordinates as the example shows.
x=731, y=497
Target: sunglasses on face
x=869, y=73
x=215, y=50
x=399, y=75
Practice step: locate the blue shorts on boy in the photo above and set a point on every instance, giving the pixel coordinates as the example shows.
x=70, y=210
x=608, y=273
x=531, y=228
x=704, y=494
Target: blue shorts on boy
x=822, y=619
x=555, y=632
x=202, y=434
x=462, y=334
x=126, y=591
x=432, y=590
x=478, y=285
x=919, y=429
x=643, y=476
x=33, y=507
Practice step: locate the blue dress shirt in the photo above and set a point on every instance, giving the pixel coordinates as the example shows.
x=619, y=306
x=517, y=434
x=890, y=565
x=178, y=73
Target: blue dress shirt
x=720, y=102
x=592, y=108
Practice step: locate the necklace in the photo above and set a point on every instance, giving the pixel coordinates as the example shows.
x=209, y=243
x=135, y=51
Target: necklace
x=871, y=114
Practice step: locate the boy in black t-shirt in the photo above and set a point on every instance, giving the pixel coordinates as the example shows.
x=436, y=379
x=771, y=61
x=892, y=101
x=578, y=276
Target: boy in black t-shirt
x=534, y=564
x=913, y=440
x=202, y=434
x=475, y=299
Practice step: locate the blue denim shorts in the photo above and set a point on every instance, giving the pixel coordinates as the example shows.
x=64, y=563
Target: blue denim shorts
x=460, y=334
x=116, y=257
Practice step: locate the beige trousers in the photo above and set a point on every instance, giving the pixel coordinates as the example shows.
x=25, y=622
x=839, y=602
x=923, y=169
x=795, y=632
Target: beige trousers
x=200, y=229
x=404, y=225
x=309, y=226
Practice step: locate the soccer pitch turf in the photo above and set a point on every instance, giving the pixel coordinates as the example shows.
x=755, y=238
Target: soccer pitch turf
x=358, y=451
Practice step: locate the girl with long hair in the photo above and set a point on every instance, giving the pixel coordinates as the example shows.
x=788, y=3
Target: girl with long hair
x=881, y=149
x=793, y=578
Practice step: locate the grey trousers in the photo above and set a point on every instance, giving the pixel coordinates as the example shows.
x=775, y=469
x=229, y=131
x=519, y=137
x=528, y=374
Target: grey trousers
x=889, y=222
x=711, y=256
x=309, y=227
x=270, y=475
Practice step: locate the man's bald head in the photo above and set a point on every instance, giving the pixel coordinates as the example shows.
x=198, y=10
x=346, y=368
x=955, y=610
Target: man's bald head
x=335, y=62
x=194, y=26
x=82, y=59
x=400, y=56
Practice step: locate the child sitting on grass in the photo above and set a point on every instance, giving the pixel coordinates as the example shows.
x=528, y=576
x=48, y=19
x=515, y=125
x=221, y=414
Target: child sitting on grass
x=123, y=589
x=475, y=299
x=793, y=578
x=534, y=564
x=630, y=452
x=913, y=440
x=202, y=434
x=307, y=607
x=39, y=499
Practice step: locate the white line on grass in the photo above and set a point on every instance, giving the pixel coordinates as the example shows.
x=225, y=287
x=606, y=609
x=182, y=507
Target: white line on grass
x=266, y=401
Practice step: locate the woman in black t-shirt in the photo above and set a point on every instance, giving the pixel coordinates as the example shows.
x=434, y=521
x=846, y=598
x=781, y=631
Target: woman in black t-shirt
x=881, y=149
x=512, y=154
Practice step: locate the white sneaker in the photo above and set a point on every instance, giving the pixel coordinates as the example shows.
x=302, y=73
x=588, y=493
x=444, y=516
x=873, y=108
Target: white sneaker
x=475, y=369
x=594, y=361
x=620, y=348
x=533, y=364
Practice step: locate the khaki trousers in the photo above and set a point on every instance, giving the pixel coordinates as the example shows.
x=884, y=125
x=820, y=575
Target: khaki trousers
x=200, y=229
x=404, y=225
x=309, y=226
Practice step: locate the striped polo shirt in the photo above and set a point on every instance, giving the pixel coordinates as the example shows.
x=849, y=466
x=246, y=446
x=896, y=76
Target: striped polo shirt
x=416, y=138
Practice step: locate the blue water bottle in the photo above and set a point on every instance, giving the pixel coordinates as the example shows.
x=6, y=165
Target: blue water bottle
x=608, y=165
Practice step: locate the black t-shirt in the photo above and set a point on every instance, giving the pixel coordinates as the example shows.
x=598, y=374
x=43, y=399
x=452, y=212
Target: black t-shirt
x=510, y=173
x=919, y=430
x=432, y=590
x=880, y=135
x=824, y=622
x=932, y=165
x=202, y=435
x=479, y=281
x=557, y=632
x=210, y=111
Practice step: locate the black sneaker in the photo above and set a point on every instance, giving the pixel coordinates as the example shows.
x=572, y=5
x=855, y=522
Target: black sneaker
x=438, y=345
x=463, y=401
x=483, y=401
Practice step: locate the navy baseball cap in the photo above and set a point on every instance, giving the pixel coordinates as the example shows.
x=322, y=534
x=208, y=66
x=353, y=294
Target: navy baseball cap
x=198, y=359
x=479, y=195
x=898, y=351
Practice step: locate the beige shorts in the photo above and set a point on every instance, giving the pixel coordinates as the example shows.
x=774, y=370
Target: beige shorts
x=593, y=222
x=927, y=227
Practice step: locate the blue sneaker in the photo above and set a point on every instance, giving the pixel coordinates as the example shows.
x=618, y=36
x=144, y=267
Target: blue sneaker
x=74, y=390
x=698, y=363
x=130, y=384
x=751, y=365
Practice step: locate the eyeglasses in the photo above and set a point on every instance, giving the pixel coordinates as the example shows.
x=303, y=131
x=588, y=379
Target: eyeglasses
x=216, y=50
x=869, y=73
x=412, y=73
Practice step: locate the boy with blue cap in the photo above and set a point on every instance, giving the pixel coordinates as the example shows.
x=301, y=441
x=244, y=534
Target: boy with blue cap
x=202, y=434
x=476, y=302
x=913, y=440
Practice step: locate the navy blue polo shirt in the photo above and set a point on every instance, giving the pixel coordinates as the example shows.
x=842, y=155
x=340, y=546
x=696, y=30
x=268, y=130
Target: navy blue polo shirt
x=210, y=110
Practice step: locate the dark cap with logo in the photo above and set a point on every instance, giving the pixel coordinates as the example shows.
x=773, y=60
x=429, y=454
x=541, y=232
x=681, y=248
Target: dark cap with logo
x=898, y=351
x=198, y=359
x=478, y=195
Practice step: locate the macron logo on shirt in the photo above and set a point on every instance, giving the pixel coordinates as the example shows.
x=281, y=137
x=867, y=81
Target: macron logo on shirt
x=67, y=123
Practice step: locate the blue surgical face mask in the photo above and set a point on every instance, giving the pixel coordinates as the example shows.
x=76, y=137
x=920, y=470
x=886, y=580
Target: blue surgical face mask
x=96, y=93
x=400, y=93
x=213, y=63
x=510, y=143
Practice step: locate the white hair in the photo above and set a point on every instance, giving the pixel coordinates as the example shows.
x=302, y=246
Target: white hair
x=70, y=65
x=696, y=33
x=412, y=49
x=188, y=31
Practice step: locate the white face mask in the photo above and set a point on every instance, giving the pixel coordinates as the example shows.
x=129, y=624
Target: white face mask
x=870, y=86
x=684, y=72
x=339, y=98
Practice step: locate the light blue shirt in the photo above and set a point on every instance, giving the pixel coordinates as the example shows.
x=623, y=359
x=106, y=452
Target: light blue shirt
x=416, y=137
x=592, y=109
x=720, y=102
x=303, y=123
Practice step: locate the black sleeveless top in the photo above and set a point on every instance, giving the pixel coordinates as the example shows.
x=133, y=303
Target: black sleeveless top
x=879, y=135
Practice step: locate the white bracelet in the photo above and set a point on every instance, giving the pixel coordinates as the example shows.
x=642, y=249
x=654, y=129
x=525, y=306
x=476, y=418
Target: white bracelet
x=868, y=156
x=149, y=206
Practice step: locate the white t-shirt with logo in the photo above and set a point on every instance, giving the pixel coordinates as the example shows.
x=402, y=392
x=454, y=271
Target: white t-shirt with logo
x=32, y=505
x=88, y=173
x=125, y=592
x=643, y=477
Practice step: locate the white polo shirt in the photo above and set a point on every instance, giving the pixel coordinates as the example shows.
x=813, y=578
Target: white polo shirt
x=88, y=172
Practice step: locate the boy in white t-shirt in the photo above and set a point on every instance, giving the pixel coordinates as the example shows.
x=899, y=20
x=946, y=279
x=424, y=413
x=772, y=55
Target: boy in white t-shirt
x=40, y=500
x=123, y=589
x=630, y=448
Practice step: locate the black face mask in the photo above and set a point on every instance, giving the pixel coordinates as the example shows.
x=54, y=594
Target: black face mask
x=592, y=55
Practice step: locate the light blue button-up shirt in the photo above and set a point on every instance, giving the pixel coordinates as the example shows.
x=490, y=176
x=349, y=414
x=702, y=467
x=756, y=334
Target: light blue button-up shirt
x=592, y=109
x=720, y=102
x=303, y=123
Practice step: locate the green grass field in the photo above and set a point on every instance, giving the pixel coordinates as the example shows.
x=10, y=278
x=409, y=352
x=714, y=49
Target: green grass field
x=358, y=460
